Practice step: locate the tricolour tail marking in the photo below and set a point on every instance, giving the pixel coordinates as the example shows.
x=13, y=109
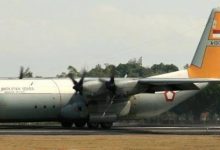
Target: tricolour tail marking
x=206, y=61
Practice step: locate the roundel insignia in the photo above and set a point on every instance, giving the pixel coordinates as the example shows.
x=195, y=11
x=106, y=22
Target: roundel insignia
x=169, y=95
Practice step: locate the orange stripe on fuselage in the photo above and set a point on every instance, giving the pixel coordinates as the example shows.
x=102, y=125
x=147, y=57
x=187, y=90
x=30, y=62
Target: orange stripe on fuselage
x=210, y=66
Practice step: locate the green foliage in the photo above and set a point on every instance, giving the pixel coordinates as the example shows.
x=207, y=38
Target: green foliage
x=186, y=66
x=133, y=68
x=98, y=71
x=62, y=75
x=71, y=70
x=162, y=68
x=27, y=73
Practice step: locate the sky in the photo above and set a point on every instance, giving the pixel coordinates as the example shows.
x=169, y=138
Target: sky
x=50, y=35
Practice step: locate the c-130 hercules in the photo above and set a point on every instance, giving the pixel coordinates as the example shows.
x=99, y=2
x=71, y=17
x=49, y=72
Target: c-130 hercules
x=102, y=101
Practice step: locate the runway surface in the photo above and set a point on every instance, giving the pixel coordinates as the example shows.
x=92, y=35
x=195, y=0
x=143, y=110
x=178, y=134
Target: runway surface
x=55, y=130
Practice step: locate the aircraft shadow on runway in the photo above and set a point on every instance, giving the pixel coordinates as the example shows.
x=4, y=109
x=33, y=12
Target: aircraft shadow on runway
x=57, y=130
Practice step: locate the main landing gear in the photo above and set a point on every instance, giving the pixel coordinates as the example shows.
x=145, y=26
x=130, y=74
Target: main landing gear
x=90, y=125
x=80, y=124
x=106, y=125
x=66, y=124
x=95, y=125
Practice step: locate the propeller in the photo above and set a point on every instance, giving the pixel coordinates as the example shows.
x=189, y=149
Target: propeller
x=110, y=85
x=21, y=74
x=78, y=85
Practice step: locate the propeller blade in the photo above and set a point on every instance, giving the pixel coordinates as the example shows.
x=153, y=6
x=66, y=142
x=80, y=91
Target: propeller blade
x=70, y=75
x=110, y=85
x=21, y=74
x=82, y=78
x=78, y=86
x=112, y=79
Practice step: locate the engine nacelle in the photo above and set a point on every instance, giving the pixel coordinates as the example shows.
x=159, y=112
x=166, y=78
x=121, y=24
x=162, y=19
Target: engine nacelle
x=123, y=88
x=94, y=88
x=76, y=109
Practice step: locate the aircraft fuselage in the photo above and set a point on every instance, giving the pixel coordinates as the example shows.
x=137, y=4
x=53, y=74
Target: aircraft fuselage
x=45, y=99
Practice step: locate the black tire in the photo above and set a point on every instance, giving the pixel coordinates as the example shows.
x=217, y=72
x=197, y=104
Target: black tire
x=106, y=125
x=80, y=124
x=93, y=125
x=67, y=124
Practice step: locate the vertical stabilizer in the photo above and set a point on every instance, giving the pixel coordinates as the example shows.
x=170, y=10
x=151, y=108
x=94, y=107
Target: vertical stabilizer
x=206, y=61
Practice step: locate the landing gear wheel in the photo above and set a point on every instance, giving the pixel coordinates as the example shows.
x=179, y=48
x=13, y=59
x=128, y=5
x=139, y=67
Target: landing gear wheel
x=93, y=125
x=67, y=124
x=80, y=124
x=106, y=125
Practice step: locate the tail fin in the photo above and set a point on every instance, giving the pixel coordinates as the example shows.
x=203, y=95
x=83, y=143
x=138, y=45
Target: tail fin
x=206, y=61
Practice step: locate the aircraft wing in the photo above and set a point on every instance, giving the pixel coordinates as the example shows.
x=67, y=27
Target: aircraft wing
x=161, y=84
x=99, y=87
x=177, y=80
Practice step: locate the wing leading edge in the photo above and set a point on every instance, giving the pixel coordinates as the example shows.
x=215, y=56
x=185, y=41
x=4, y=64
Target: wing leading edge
x=174, y=84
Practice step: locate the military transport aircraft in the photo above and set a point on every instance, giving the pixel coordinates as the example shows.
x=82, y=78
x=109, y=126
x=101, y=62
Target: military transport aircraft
x=102, y=101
